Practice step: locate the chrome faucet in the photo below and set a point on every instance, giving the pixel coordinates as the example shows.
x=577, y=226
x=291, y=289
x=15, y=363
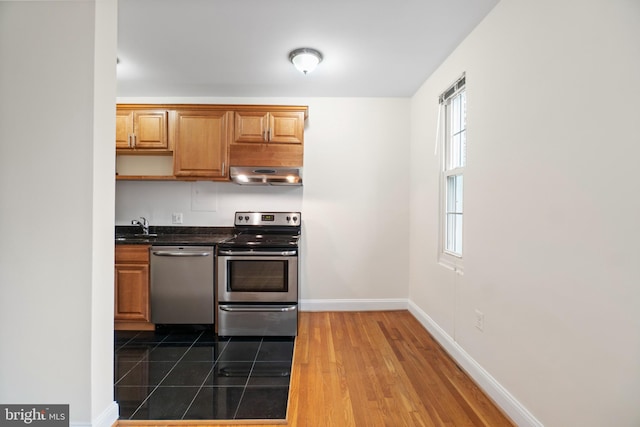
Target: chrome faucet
x=144, y=224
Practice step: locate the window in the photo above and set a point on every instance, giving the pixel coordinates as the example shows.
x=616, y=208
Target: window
x=454, y=104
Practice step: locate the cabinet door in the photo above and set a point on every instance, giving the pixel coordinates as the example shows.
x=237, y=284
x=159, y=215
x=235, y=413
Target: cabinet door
x=280, y=127
x=201, y=143
x=132, y=292
x=141, y=130
x=150, y=129
x=251, y=126
x=124, y=129
x=286, y=127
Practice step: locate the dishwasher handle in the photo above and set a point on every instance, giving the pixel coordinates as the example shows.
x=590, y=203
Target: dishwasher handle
x=253, y=309
x=180, y=254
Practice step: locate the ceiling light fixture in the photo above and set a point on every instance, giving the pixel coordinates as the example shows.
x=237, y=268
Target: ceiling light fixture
x=305, y=59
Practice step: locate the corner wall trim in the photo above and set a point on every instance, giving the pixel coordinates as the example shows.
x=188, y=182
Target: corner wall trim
x=501, y=396
x=353, y=304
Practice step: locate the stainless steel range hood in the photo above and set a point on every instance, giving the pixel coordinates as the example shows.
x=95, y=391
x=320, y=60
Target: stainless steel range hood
x=256, y=175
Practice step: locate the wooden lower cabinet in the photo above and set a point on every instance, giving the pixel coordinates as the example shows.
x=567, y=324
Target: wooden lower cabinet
x=132, y=307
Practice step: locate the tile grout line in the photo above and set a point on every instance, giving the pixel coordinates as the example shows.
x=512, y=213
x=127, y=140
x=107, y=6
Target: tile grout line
x=203, y=381
x=126, y=342
x=163, y=378
x=246, y=384
x=213, y=364
x=154, y=388
x=134, y=366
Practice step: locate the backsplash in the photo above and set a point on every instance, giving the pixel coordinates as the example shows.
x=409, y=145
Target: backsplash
x=201, y=203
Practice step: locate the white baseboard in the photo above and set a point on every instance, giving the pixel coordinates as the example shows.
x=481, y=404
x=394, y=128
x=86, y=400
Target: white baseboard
x=105, y=419
x=501, y=396
x=353, y=304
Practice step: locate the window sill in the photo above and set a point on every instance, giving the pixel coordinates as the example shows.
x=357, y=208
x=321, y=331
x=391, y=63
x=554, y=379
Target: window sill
x=452, y=263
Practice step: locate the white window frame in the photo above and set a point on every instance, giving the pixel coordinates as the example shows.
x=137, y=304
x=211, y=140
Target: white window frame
x=453, y=162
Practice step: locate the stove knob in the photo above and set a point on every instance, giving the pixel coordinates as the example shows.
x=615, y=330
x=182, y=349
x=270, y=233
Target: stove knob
x=288, y=218
x=246, y=218
x=240, y=218
x=295, y=218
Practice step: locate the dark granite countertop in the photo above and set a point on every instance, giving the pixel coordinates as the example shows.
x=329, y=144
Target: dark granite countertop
x=170, y=235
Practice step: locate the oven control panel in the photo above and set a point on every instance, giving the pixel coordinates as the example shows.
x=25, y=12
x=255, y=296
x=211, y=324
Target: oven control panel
x=280, y=219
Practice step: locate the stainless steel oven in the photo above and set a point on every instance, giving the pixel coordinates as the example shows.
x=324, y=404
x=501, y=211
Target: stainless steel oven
x=257, y=275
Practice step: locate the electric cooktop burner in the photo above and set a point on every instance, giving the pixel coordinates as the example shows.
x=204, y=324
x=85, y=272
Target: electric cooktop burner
x=265, y=229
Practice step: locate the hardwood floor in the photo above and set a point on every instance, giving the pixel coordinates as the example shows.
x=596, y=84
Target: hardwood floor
x=374, y=369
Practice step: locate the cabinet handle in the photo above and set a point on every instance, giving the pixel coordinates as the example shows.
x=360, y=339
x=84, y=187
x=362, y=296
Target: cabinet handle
x=269, y=135
x=133, y=138
x=224, y=170
x=129, y=140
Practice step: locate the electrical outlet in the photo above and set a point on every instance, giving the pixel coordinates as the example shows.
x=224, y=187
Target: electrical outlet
x=176, y=218
x=479, y=320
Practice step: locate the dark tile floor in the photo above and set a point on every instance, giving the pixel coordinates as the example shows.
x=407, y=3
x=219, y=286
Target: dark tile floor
x=190, y=373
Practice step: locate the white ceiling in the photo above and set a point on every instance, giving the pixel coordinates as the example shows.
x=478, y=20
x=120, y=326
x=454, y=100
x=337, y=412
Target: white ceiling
x=371, y=48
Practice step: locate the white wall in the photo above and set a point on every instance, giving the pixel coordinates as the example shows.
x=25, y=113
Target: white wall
x=103, y=408
x=354, y=200
x=56, y=195
x=551, y=208
x=202, y=203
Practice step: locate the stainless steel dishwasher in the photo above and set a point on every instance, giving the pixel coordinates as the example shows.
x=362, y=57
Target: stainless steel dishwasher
x=182, y=284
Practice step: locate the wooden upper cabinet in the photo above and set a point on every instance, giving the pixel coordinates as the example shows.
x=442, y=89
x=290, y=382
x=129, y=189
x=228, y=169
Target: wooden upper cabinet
x=124, y=129
x=280, y=127
x=142, y=130
x=201, y=143
x=286, y=127
x=204, y=140
x=251, y=126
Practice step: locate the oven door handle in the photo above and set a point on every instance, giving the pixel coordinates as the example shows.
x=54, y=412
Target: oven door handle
x=257, y=253
x=253, y=309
